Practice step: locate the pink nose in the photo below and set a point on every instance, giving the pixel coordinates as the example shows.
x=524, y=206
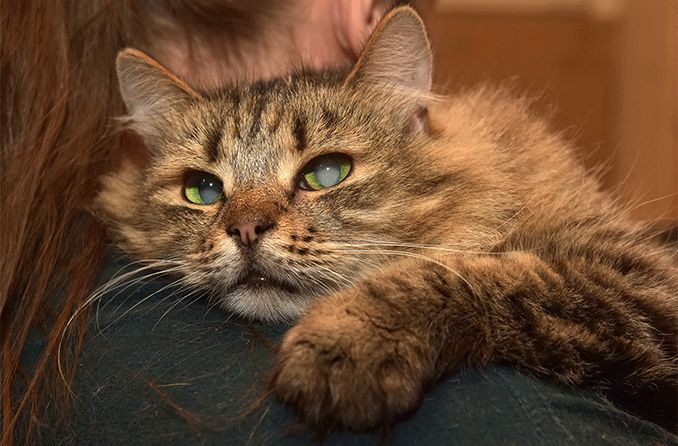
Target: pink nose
x=248, y=232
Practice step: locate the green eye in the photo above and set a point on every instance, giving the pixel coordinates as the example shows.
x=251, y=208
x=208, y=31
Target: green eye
x=203, y=188
x=325, y=171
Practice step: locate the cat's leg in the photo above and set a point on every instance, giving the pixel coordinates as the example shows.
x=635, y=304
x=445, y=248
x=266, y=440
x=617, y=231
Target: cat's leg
x=364, y=357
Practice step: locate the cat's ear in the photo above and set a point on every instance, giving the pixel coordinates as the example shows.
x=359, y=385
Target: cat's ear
x=148, y=89
x=398, y=55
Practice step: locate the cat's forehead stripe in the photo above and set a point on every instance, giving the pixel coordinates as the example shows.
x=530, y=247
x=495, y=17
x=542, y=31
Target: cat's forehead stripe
x=328, y=117
x=258, y=110
x=213, y=143
x=235, y=129
x=264, y=110
x=299, y=132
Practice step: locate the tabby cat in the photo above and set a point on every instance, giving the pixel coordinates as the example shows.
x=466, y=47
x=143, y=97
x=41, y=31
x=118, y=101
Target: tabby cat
x=411, y=234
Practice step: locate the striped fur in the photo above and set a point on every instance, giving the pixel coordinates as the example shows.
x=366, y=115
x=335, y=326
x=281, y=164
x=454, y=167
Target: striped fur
x=471, y=238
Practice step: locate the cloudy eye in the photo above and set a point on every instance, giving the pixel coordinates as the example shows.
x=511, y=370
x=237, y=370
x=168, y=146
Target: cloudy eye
x=203, y=188
x=325, y=171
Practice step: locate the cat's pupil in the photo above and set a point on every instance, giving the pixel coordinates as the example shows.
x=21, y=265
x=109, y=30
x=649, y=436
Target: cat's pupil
x=209, y=189
x=202, y=188
x=325, y=171
x=328, y=174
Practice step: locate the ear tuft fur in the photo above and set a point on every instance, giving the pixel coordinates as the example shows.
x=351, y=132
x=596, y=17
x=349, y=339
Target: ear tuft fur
x=397, y=54
x=148, y=89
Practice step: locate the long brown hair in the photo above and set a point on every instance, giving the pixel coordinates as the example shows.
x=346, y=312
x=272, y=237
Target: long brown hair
x=58, y=94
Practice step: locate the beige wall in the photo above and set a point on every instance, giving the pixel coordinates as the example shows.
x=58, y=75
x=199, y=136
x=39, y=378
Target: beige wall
x=607, y=68
x=646, y=126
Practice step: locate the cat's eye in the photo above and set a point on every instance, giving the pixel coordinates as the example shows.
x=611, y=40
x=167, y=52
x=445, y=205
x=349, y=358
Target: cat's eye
x=325, y=171
x=203, y=188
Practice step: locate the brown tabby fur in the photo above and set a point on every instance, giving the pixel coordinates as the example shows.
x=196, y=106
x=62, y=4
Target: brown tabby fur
x=471, y=238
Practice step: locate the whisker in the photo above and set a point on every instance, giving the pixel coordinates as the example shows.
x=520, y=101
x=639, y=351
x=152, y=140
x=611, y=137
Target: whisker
x=412, y=255
x=195, y=292
x=402, y=244
x=141, y=301
x=110, y=285
x=145, y=279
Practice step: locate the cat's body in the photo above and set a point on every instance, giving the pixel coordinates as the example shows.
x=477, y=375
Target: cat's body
x=470, y=236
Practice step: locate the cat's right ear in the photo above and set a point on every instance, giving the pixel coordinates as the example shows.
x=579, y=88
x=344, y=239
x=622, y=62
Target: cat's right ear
x=149, y=90
x=398, y=56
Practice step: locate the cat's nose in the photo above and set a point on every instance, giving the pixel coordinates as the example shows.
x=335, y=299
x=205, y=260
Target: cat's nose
x=248, y=232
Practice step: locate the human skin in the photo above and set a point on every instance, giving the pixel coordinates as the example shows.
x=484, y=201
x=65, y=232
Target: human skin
x=211, y=48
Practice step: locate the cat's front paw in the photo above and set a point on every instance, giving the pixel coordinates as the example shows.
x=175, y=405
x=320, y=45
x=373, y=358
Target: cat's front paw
x=351, y=363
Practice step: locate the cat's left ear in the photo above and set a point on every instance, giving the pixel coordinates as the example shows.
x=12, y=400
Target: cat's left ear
x=149, y=90
x=398, y=55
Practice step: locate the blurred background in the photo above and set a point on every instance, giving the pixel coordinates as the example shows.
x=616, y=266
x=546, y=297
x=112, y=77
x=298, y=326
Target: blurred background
x=605, y=68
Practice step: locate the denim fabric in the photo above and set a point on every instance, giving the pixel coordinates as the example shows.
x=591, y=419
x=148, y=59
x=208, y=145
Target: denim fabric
x=157, y=357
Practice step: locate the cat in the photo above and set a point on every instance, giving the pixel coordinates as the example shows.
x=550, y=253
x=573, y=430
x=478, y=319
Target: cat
x=409, y=234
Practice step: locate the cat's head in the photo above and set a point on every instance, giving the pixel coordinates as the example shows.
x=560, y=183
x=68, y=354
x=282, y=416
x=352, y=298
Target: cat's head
x=273, y=194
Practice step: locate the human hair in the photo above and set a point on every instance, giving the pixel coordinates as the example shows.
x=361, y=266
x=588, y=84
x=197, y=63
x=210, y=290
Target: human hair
x=58, y=92
x=58, y=97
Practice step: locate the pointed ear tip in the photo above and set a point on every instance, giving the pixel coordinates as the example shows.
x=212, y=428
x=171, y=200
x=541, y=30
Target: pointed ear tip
x=404, y=9
x=125, y=57
x=406, y=12
x=406, y=17
x=130, y=55
x=128, y=52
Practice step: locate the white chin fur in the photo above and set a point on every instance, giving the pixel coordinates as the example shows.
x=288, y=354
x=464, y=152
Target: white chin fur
x=268, y=304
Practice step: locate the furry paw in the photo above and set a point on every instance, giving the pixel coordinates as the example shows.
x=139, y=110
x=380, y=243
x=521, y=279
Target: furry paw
x=349, y=363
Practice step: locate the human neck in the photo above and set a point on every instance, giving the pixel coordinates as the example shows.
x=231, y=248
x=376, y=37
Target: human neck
x=212, y=44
